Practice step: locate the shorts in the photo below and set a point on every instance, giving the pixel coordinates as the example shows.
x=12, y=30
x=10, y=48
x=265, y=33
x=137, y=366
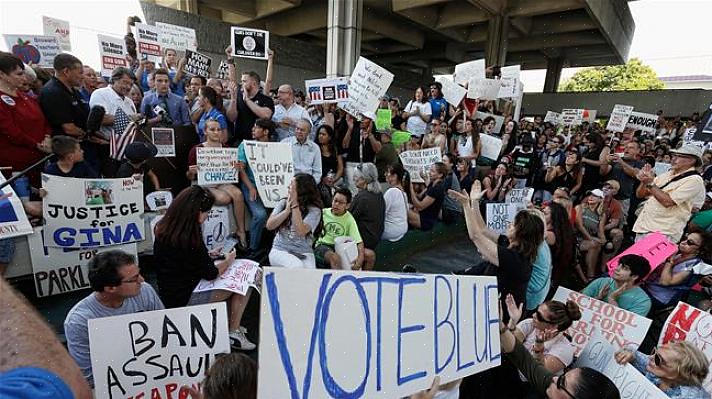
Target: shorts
x=320, y=252
x=7, y=250
x=200, y=298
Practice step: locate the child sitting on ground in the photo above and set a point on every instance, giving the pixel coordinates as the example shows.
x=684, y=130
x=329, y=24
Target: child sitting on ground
x=338, y=222
x=70, y=159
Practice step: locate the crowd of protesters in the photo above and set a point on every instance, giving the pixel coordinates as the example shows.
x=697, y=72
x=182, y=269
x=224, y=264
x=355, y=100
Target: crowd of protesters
x=596, y=192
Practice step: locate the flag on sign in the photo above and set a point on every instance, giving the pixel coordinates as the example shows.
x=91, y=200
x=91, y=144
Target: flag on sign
x=342, y=92
x=315, y=93
x=123, y=134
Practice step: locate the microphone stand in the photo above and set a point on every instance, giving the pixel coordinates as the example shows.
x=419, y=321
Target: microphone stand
x=24, y=171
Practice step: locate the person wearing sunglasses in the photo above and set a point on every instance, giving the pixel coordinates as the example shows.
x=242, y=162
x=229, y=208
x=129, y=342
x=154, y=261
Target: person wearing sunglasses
x=573, y=383
x=678, y=368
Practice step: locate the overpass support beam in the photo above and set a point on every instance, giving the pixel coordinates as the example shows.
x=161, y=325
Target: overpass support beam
x=554, y=65
x=343, y=45
x=497, y=32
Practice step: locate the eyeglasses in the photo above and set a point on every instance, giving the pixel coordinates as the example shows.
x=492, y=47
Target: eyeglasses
x=132, y=280
x=561, y=383
x=660, y=361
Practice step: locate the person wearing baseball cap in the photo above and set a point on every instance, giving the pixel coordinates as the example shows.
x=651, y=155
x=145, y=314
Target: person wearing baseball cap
x=672, y=195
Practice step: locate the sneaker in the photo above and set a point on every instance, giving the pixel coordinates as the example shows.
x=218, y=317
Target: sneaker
x=239, y=341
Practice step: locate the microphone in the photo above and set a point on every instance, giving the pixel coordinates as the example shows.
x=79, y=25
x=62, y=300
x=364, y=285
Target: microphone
x=96, y=115
x=161, y=111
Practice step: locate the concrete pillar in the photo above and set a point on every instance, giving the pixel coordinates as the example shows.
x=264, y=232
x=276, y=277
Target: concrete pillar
x=496, y=48
x=343, y=43
x=553, y=74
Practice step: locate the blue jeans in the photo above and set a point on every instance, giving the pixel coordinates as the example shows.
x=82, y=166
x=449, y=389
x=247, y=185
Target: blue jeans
x=259, y=218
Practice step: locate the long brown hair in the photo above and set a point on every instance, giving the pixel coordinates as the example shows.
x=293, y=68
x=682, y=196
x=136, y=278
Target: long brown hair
x=232, y=376
x=307, y=196
x=563, y=314
x=179, y=227
x=528, y=234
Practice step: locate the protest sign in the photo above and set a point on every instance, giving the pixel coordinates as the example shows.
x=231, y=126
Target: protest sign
x=368, y=83
x=59, y=28
x=483, y=89
x=88, y=213
x=498, y=120
x=552, y=117
x=249, y=43
x=510, y=87
x=223, y=70
x=165, y=141
x=619, y=117
x=322, y=91
x=703, y=129
x=238, y=278
x=501, y=215
x=687, y=323
x=147, y=42
x=34, y=49
x=400, y=137
x=197, y=64
x=152, y=354
x=272, y=165
x=642, y=121
x=491, y=146
x=59, y=270
x=599, y=355
x=452, y=92
x=655, y=247
x=378, y=335
x=420, y=161
x=661, y=167
x=13, y=220
x=383, y=119
x=519, y=195
x=589, y=115
x=571, y=117
x=159, y=200
x=216, y=165
x=178, y=38
x=623, y=329
x=112, y=51
x=468, y=70
x=216, y=227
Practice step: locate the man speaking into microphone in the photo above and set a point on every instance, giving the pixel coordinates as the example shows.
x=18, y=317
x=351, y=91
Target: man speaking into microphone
x=163, y=108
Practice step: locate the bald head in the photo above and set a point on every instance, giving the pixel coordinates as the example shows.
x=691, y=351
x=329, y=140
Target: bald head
x=286, y=95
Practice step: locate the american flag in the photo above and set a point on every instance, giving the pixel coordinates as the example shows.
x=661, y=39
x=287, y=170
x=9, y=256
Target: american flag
x=342, y=91
x=123, y=134
x=315, y=93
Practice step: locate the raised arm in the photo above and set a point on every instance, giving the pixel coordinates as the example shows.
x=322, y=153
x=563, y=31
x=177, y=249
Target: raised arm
x=483, y=238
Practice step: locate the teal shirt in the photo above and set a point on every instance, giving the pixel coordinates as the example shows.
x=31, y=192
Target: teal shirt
x=633, y=300
x=242, y=157
x=540, y=280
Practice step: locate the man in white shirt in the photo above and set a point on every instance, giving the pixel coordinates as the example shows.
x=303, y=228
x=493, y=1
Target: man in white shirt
x=287, y=113
x=306, y=154
x=114, y=97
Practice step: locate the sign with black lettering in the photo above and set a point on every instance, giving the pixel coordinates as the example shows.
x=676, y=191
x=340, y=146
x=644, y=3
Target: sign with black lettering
x=112, y=51
x=147, y=42
x=153, y=354
x=197, y=64
x=217, y=165
x=90, y=213
x=642, y=121
x=273, y=167
x=223, y=70
x=57, y=270
x=501, y=215
x=249, y=43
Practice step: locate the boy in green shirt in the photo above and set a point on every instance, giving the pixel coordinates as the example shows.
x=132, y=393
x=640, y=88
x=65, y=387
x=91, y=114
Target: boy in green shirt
x=338, y=222
x=622, y=289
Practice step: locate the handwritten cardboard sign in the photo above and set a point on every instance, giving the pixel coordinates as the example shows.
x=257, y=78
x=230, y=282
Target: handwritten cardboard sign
x=687, y=323
x=491, y=146
x=552, y=117
x=483, y=89
x=418, y=161
x=655, y=247
x=330, y=333
x=501, y=215
x=468, y=70
x=323, y=91
x=148, y=44
x=642, y=121
x=273, y=167
x=152, y=354
x=13, y=220
x=619, y=117
x=509, y=78
x=452, y=92
x=623, y=329
x=197, y=64
x=571, y=117
x=112, y=51
x=89, y=213
x=519, y=195
x=216, y=165
x=238, y=278
x=368, y=83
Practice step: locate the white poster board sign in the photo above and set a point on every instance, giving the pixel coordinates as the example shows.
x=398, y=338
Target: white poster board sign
x=491, y=146
x=519, y=195
x=13, y=220
x=509, y=77
x=420, y=161
x=34, y=49
x=88, y=213
x=483, y=89
x=238, y=278
x=59, y=28
x=642, y=121
x=323, y=91
x=165, y=141
x=599, y=355
x=571, y=117
x=687, y=323
x=452, y=92
x=498, y=120
x=216, y=228
x=374, y=335
x=619, y=117
x=152, y=354
x=159, y=200
x=623, y=329
x=216, y=165
x=57, y=270
x=552, y=117
x=249, y=43
x=177, y=37
x=112, y=51
x=272, y=165
x=148, y=44
x=468, y=70
x=501, y=215
x=368, y=83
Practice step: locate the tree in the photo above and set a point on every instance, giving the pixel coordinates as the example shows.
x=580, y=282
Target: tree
x=634, y=75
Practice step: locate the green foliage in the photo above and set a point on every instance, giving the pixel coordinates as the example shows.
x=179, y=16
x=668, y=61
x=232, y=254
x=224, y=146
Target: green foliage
x=634, y=75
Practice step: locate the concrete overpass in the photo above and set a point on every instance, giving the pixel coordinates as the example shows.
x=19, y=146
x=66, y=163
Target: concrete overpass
x=428, y=37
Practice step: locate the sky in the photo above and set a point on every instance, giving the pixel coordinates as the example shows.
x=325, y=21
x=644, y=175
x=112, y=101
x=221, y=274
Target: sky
x=672, y=36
